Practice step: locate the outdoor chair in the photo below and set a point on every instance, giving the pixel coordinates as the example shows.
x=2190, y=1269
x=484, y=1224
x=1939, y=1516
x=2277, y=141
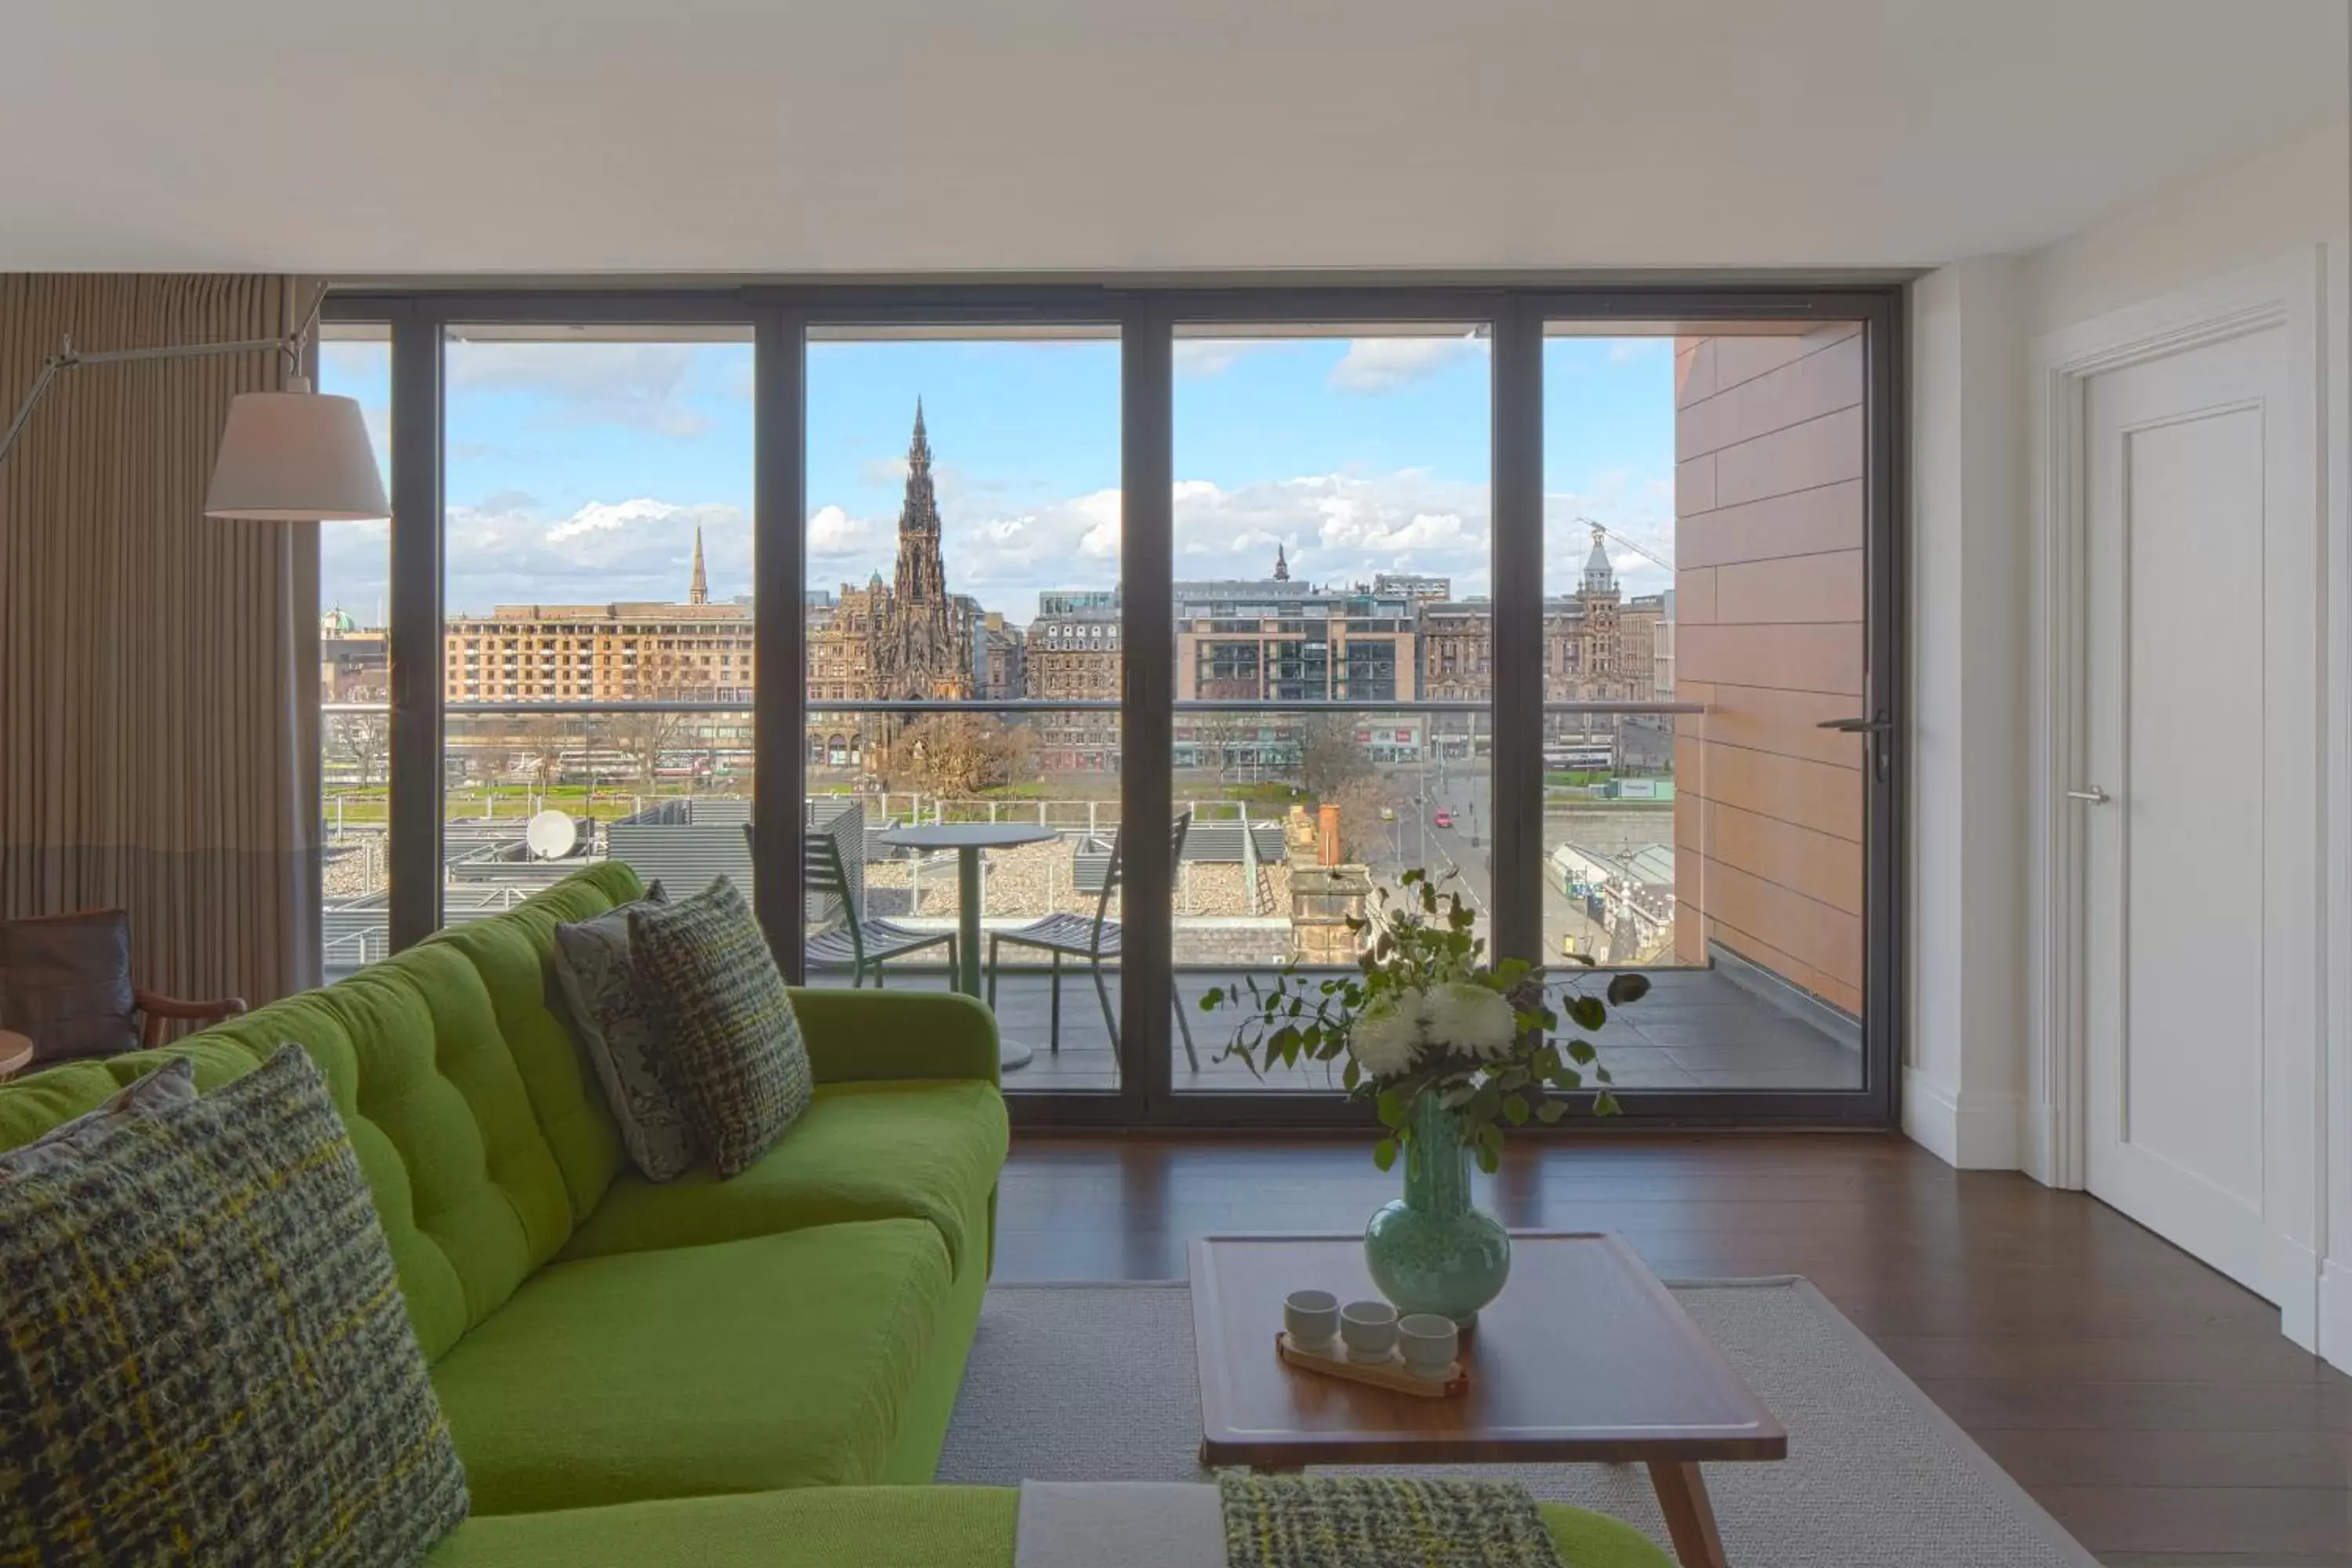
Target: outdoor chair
x=857, y=945
x=1065, y=935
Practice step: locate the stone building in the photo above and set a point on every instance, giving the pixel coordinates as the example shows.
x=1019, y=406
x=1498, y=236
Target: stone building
x=1071, y=653
x=1596, y=646
x=626, y=650
x=907, y=639
x=997, y=647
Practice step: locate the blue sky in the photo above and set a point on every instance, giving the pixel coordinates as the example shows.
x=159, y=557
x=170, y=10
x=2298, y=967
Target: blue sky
x=578, y=473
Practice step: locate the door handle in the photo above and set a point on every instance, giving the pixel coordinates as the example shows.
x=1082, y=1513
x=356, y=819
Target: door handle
x=1857, y=726
x=2095, y=794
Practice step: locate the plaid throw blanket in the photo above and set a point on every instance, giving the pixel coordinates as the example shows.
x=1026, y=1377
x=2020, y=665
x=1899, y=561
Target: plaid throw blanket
x=1349, y=1521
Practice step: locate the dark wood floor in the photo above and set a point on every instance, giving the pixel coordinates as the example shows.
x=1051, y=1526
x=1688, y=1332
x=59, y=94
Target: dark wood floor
x=2148, y=1402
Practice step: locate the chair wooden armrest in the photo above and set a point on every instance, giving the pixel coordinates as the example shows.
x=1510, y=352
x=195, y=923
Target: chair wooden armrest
x=157, y=1010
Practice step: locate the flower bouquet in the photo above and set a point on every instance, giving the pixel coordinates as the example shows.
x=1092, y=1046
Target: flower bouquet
x=1451, y=1050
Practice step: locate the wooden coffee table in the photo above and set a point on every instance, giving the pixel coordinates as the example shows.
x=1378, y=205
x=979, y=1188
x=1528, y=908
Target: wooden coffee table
x=1584, y=1357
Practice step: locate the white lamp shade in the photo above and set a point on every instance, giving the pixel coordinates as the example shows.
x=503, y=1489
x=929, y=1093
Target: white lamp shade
x=293, y=457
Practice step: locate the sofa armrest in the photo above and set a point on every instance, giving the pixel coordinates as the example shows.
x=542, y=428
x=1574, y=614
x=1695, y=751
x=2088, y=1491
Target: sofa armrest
x=856, y=1034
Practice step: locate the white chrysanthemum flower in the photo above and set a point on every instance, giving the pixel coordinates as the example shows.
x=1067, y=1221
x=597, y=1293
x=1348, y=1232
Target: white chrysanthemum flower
x=1471, y=1019
x=1387, y=1036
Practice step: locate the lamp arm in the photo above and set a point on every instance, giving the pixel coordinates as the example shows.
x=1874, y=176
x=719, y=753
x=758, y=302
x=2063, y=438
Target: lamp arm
x=68, y=358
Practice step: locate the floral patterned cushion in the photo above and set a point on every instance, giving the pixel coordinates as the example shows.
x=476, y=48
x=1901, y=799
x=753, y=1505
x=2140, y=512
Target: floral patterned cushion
x=728, y=1036
x=610, y=1018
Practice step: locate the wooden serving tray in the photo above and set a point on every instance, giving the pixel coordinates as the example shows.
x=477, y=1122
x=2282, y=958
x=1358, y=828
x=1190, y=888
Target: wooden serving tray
x=1390, y=1374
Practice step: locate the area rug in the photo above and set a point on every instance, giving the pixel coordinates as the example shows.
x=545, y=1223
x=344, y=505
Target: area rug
x=1097, y=1382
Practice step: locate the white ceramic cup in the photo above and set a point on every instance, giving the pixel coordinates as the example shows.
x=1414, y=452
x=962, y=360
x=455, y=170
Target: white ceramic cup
x=1428, y=1342
x=1312, y=1317
x=1371, y=1330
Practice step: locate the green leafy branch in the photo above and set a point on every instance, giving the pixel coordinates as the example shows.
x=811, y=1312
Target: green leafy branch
x=1418, y=946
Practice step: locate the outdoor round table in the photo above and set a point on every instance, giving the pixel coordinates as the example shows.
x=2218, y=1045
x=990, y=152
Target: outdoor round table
x=968, y=840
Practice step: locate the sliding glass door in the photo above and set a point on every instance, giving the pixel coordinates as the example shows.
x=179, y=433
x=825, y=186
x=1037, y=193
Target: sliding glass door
x=962, y=540
x=1333, y=721
x=1120, y=643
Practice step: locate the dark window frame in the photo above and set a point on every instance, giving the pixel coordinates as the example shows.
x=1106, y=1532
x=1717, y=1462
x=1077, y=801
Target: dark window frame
x=780, y=317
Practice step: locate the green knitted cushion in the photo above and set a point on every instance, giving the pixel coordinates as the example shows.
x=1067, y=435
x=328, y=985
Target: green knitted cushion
x=1360, y=1521
x=734, y=1050
x=203, y=1349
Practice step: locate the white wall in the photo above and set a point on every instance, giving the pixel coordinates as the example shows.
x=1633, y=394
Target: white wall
x=1974, y=323
x=1963, y=1072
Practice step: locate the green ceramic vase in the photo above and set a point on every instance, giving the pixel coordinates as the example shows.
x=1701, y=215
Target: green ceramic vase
x=1430, y=1251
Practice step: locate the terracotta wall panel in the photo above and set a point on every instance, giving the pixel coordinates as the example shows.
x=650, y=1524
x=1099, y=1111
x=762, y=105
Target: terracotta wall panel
x=1695, y=485
x=1770, y=601
x=1817, y=452
x=1694, y=595
x=1693, y=370
x=1808, y=522
x=1810, y=795
x=1787, y=724
x=1821, y=937
x=1827, y=587
x=1825, y=870
x=1804, y=389
x=1793, y=657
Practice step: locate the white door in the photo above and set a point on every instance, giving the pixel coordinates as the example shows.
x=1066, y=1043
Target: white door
x=2185, y=465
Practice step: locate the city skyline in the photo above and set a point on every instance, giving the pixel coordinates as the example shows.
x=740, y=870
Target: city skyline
x=579, y=473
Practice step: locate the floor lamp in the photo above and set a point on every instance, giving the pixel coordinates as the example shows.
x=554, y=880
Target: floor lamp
x=294, y=456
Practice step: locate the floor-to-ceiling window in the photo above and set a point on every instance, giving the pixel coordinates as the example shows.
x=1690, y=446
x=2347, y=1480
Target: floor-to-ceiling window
x=354, y=678
x=1704, y=640
x=597, y=637
x=1333, y=684
x=963, y=671
x=1582, y=604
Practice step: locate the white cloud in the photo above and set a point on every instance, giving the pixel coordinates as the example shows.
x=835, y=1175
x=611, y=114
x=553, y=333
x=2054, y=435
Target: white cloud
x=1334, y=528
x=598, y=517
x=832, y=532
x=1197, y=359
x=505, y=550
x=636, y=386
x=1385, y=364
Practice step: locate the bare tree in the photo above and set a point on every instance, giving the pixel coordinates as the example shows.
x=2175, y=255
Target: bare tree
x=1336, y=770
x=642, y=735
x=1329, y=758
x=543, y=737
x=959, y=755
x=361, y=740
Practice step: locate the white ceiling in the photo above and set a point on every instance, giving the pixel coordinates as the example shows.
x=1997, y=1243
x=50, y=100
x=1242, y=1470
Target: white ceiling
x=811, y=136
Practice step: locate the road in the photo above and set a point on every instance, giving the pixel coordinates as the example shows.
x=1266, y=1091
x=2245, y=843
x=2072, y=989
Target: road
x=1467, y=848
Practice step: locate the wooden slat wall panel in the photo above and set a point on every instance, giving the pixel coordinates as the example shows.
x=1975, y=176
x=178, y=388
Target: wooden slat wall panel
x=158, y=670
x=1769, y=601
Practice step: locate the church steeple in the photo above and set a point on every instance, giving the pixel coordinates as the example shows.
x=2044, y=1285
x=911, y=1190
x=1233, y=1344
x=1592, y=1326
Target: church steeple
x=1281, y=564
x=698, y=587
x=921, y=511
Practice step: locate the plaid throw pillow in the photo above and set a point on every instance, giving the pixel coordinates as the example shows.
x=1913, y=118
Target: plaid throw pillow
x=204, y=1354
x=734, y=1050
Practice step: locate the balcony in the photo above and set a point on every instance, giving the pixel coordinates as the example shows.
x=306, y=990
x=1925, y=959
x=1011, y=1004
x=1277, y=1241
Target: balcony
x=1629, y=871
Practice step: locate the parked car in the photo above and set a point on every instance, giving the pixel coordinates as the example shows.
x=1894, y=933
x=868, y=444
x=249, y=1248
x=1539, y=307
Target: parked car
x=1445, y=817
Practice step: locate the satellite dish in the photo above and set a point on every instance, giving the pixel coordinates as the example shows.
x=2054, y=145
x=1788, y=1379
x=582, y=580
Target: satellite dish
x=551, y=834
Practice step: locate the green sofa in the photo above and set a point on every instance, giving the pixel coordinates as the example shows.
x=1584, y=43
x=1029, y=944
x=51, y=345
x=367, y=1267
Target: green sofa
x=755, y=1371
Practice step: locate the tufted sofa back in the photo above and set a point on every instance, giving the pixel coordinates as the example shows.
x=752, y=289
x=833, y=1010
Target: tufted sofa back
x=482, y=1135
